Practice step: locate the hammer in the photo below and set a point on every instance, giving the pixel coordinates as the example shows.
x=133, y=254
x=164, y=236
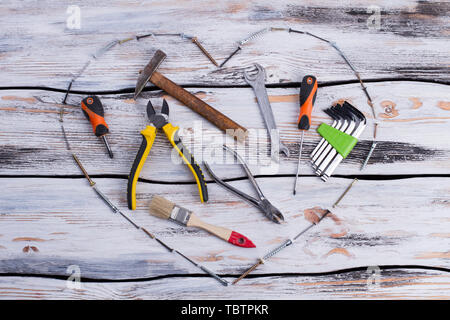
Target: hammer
x=217, y=118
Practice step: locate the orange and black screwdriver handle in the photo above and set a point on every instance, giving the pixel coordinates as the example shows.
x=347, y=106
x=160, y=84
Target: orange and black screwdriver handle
x=308, y=92
x=93, y=110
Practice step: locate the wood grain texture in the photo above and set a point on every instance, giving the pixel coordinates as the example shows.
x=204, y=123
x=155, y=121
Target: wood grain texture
x=38, y=50
x=379, y=223
x=411, y=140
x=396, y=215
x=393, y=284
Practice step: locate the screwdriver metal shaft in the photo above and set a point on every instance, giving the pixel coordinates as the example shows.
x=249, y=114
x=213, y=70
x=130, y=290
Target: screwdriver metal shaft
x=93, y=111
x=298, y=164
x=111, y=155
x=308, y=92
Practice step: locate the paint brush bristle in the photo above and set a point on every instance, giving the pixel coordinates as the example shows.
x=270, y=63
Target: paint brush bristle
x=161, y=207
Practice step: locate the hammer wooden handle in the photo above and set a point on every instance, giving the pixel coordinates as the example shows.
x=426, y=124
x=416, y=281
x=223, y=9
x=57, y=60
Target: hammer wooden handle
x=202, y=108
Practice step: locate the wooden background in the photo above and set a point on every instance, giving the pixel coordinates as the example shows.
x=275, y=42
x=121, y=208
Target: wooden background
x=396, y=217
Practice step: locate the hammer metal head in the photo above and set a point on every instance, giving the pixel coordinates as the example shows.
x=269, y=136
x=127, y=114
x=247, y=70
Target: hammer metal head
x=148, y=71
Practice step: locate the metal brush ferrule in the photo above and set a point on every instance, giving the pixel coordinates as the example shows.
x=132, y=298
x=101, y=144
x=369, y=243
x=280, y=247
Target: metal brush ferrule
x=180, y=215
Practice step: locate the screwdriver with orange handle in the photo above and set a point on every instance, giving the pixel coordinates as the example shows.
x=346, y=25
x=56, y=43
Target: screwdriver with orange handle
x=308, y=92
x=93, y=110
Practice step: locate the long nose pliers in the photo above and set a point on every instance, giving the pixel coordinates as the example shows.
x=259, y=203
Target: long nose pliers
x=159, y=120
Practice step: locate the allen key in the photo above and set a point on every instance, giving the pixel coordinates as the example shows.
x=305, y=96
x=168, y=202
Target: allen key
x=352, y=125
x=347, y=119
x=360, y=121
x=343, y=120
x=323, y=148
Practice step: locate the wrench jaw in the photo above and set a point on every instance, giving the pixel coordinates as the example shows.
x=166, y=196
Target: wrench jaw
x=275, y=153
x=276, y=147
x=284, y=150
x=258, y=77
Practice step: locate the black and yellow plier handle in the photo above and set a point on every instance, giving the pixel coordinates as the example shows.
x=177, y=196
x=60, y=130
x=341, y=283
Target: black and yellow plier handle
x=148, y=137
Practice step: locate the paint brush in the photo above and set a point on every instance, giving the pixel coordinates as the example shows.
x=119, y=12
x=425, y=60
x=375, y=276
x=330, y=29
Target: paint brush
x=165, y=209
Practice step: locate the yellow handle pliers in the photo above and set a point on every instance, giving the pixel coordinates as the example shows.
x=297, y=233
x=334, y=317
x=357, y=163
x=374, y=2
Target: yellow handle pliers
x=160, y=121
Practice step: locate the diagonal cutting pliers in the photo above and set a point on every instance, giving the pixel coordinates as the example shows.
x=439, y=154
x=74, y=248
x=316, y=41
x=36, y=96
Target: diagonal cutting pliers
x=159, y=120
x=261, y=202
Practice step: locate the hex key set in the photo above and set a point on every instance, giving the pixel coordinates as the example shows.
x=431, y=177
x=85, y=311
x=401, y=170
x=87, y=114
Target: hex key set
x=338, y=139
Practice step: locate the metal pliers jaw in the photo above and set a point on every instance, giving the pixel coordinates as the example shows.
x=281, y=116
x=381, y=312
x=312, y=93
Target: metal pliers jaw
x=160, y=120
x=269, y=210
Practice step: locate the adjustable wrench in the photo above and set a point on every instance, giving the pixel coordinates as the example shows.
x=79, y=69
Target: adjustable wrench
x=257, y=82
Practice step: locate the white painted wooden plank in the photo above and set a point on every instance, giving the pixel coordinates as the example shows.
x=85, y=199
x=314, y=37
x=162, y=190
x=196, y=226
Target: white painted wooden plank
x=37, y=48
x=393, y=284
x=395, y=222
x=42, y=52
x=413, y=139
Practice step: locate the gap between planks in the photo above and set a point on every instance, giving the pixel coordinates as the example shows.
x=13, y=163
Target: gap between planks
x=250, y=276
x=150, y=88
x=392, y=284
x=368, y=177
